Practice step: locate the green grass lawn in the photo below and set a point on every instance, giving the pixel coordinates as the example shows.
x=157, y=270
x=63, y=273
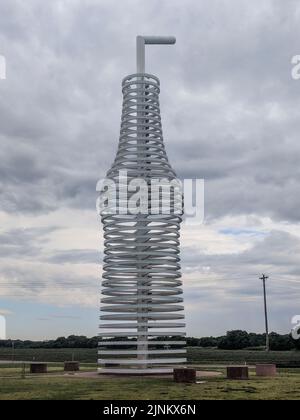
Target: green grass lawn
x=195, y=355
x=17, y=371
x=56, y=386
x=214, y=356
x=50, y=355
x=285, y=386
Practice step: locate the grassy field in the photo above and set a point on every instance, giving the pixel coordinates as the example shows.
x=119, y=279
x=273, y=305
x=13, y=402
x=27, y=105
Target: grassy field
x=50, y=355
x=213, y=356
x=285, y=386
x=195, y=355
x=55, y=385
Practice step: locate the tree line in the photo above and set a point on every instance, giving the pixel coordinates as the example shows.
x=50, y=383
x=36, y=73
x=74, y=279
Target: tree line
x=239, y=340
x=233, y=340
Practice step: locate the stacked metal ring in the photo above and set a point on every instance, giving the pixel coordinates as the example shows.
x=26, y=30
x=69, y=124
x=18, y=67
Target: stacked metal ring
x=141, y=301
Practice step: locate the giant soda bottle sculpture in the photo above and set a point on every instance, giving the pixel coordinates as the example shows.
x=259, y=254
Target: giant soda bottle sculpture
x=141, y=305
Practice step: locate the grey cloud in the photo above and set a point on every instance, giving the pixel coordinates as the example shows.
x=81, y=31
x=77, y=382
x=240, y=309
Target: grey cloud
x=230, y=115
x=278, y=255
x=25, y=242
x=76, y=256
x=28, y=283
x=274, y=249
x=61, y=103
x=65, y=316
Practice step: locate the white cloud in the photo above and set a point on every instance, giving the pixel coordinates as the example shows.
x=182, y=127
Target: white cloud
x=230, y=115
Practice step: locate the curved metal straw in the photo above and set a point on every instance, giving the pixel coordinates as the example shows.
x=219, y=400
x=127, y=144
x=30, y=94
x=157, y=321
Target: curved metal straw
x=141, y=281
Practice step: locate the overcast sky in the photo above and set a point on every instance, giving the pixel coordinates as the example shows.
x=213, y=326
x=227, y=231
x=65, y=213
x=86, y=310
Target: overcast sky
x=230, y=112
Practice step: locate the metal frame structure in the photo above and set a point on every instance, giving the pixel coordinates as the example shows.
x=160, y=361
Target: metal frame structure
x=141, y=280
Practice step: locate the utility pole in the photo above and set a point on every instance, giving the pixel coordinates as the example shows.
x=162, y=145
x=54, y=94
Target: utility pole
x=264, y=278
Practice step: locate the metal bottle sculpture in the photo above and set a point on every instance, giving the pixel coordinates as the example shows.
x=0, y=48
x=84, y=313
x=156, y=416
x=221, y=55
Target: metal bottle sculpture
x=141, y=272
